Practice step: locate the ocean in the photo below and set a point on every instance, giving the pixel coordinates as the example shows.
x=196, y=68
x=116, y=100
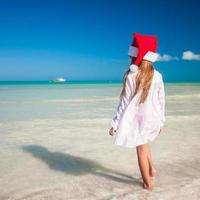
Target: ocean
x=55, y=143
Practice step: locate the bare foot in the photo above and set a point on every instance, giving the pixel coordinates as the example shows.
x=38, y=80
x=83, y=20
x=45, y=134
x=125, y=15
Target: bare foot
x=152, y=172
x=148, y=187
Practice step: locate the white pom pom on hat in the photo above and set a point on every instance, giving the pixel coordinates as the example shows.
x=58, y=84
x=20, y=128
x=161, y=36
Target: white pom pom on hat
x=133, y=68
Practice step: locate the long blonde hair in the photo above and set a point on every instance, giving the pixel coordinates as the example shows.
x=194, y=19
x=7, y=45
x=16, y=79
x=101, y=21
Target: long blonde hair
x=143, y=79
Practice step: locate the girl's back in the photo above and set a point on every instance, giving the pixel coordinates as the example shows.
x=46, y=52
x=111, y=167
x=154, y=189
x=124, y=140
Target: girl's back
x=139, y=122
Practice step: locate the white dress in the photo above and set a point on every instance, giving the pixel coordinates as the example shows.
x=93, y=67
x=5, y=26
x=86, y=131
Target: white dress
x=137, y=124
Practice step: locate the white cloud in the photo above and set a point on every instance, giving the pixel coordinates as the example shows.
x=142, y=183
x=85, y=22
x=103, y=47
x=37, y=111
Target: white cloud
x=166, y=57
x=189, y=55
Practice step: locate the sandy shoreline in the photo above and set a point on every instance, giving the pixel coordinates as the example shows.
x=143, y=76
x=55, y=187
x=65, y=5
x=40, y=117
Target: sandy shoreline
x=70, y=155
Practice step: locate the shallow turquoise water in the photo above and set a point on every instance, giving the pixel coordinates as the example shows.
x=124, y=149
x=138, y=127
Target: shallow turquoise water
x=30, y=100
x=54, y=142
x=50, y=82
x=76, y=82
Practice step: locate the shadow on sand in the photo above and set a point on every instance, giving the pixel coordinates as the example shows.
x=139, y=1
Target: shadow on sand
x=75, y=165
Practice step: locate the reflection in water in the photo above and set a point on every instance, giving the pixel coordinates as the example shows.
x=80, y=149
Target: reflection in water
x=75, y=165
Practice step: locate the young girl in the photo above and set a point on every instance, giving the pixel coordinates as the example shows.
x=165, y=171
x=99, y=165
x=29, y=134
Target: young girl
x=140, y=115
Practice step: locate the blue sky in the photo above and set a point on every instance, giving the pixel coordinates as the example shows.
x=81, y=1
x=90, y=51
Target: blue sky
x=88, y=40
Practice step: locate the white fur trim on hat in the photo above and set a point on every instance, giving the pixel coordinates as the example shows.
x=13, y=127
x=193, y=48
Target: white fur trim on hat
x=133, y=68
x=133, y=51
x=151, y=56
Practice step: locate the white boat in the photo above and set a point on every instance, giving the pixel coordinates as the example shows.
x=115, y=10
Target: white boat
x=59, y=80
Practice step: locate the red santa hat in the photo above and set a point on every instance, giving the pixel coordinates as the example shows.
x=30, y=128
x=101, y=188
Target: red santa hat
x=143, y=47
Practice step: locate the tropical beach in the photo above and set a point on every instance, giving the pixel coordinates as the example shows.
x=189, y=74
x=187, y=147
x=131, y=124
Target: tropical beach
x=55, y=144
x=71, y=73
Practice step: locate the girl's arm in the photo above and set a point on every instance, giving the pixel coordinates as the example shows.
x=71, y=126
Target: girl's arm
x=123, y=103
x=161, y=96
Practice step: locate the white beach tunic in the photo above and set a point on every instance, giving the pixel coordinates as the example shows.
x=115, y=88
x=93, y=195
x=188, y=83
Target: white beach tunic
x=137, y=124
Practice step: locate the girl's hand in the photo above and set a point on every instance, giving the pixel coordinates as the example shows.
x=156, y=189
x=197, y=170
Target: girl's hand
x=112, y=131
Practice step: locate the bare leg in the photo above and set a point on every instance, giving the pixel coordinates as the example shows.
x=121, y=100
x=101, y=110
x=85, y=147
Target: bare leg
x=142, y=153
x=152, y=170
